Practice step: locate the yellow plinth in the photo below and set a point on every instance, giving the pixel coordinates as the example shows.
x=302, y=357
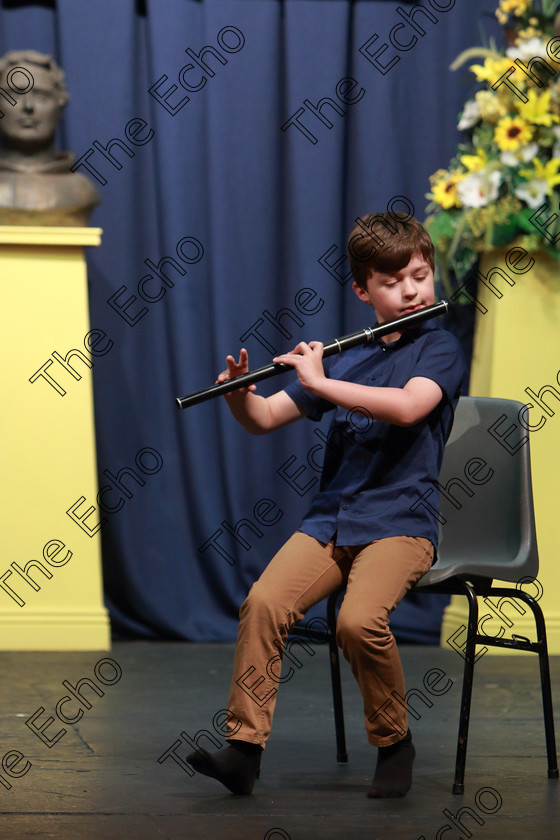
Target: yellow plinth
x=517, y=346
x=47, y=444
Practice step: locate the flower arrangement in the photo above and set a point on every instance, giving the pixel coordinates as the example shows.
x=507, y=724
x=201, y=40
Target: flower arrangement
x=510, y=164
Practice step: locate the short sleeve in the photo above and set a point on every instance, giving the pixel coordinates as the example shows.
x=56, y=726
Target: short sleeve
x=441, y=360
x=313, y=407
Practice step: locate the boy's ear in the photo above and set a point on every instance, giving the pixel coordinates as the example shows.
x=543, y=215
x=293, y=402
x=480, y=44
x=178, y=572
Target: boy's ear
x=361, y=293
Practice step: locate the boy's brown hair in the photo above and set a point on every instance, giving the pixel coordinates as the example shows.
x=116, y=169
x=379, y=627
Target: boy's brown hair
x=386, y=242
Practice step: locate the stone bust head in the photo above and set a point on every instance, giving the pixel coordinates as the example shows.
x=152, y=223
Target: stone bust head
x=36, y=184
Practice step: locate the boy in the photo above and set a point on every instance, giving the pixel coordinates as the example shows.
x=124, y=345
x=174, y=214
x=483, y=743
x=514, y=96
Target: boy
x=365, y=527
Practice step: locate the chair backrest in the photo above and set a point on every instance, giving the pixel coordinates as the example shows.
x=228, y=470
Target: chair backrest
x=486, y=508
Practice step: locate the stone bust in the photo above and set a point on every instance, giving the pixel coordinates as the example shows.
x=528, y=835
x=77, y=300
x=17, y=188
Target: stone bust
x=36, y=184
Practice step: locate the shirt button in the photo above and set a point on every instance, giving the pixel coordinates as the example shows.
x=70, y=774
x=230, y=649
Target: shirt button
x=344, y=507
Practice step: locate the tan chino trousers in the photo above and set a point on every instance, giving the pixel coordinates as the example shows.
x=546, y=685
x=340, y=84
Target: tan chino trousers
x=302, y=573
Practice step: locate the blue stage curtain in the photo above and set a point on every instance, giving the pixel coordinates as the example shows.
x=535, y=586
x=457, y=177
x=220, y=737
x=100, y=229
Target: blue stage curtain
x=257, y=205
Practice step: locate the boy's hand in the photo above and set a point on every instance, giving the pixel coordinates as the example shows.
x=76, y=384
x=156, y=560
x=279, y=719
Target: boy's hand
x=307, y=359
x=236, y=369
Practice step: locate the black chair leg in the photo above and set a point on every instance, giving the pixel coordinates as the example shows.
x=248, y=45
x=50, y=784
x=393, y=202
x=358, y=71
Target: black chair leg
x=545, y=688
x=548, y=715
x=540, y=647
x=341, y=754
x=468, y=675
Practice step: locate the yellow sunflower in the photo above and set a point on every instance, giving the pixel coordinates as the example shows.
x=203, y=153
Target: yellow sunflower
x=511, y=133
x=444, y=188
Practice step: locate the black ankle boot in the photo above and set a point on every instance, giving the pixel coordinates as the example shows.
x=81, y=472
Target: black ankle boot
x=393, y=773
x=236, y=767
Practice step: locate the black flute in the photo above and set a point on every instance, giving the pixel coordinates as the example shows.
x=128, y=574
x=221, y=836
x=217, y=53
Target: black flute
x=337, y=345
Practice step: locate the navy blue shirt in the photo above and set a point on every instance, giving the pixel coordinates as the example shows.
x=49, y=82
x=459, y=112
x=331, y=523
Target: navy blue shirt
x=375, y=473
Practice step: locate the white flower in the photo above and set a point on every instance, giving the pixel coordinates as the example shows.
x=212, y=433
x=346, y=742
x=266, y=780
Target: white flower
x=532, y=48
x=479, y=188
x=509, y=159
x=470, y=115
x=523, y=155
x=529, y=152
x=532, y=193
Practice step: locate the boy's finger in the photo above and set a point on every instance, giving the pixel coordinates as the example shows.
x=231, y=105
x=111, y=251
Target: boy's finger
x=284, y=360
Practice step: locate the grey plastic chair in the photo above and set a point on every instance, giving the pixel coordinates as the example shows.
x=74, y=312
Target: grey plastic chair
x=487, y=532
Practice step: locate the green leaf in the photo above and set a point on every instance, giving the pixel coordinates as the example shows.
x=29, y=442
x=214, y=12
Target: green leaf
x=505, y=232
x=441, y=224
x=522, y=219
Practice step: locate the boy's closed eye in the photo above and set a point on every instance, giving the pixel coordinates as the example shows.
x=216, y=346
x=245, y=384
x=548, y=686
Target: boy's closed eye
x=417, y=279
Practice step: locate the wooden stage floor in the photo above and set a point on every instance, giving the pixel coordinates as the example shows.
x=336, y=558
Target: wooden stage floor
x=99, y=778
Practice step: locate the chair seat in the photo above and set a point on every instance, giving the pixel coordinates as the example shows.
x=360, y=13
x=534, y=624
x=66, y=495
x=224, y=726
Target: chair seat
x=485, y=568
